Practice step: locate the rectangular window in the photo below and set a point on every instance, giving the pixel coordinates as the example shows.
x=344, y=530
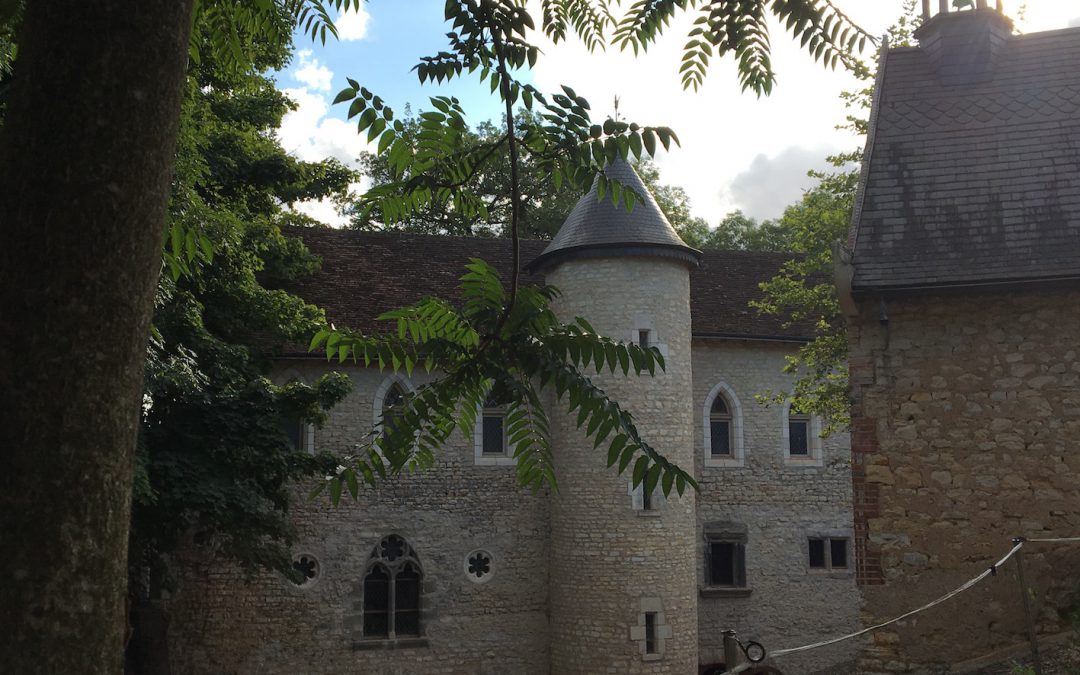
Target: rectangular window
x=646, y=499
x=494, y=436
x=798, y=438
x=643, y=338
x=650, y=632
x=720, y=431
x=294, y=430
x=838, y=553
x=828, y=554
x=727, y=564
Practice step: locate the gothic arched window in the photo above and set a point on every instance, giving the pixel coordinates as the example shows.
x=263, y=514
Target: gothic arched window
x=393, y=408
x=720, y=428
x=723, y=432
x=392, y=589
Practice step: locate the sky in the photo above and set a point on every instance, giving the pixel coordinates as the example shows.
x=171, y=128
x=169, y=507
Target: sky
x=737, y=151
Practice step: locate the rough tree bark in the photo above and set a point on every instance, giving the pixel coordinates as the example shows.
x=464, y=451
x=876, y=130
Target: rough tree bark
x=86, y=155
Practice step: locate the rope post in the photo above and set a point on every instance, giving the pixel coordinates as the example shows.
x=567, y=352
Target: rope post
x=731, y=650
x=1036, y=661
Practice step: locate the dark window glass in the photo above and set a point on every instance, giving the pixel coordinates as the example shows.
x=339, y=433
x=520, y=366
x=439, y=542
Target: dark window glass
x=838, y=552
x=720, y=432
x=294, y=431
x=494, y=440
x=643, y=338
x=377, y=603
x=722, y=563
x=392, y=411
x=407, y=601
x=650, y=632
x=817, y=553
x=646, y=499
x=798, y=442
x=719, y=406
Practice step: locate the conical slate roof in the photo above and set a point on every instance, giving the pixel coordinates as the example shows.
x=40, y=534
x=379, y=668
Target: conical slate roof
x=598, y=227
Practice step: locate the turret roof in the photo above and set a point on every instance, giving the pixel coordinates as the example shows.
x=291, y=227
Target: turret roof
x=600, y=227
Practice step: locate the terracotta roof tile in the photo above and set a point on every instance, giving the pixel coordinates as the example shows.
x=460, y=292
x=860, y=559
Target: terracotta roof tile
x=364, y=274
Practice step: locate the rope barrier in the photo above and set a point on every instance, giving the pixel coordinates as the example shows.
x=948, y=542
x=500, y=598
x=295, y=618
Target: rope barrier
x=991, y=570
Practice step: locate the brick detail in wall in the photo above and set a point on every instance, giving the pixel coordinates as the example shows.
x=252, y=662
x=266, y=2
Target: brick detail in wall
x=866, y=495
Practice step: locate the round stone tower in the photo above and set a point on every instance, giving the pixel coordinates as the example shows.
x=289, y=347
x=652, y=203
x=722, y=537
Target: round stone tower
x=623, y=566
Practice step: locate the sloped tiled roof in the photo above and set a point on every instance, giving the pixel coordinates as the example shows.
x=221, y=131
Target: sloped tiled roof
x=599, y=226
x=364, y=274
x=975, y=183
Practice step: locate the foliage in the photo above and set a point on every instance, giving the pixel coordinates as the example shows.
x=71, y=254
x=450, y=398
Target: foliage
x=739, y=28
x=544, y=207
x=801, y=290
x=738, y=232
x=214, y=464
x=481, y=353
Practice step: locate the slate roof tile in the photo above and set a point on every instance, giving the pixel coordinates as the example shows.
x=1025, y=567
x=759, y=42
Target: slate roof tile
x=974, y=183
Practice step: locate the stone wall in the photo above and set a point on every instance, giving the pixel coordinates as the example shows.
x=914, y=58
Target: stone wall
x=966, y=433
x=611, y=563
x=781, y=505
x=220, y=624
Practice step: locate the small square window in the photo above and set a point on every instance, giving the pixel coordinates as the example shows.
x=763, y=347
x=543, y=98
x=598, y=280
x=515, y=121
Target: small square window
x=643, y=339
x=828, y=553
x=727, y=564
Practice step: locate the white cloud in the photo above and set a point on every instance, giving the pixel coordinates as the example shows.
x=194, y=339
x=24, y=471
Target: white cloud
x=309, y=133
x=722, y=129
x=353, y=24
x=310, y=73
x=325, y=210
x=770, y=184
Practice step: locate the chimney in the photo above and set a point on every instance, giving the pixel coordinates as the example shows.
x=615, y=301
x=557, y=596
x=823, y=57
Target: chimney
x=963, y=46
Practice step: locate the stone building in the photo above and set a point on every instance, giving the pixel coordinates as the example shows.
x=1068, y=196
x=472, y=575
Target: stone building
x=458, y=570
x=962, y=286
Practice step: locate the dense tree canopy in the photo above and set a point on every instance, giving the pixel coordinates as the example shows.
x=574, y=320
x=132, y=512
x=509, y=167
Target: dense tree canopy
x=214, y=466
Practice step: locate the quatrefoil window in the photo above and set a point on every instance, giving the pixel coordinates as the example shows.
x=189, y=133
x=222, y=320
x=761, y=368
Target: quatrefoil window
x=392, y=548
x=308, y=566
x=479, y=566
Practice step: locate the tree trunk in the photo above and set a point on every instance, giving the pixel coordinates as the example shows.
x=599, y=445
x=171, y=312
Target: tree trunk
x=86, y=155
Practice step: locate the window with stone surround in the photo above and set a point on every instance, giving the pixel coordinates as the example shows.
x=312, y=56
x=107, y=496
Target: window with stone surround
x=390, y=400
x=391, y=591
x=725, y=558
x=646, y=504
x=491, y=446
x=300, y=432
x=723, y=429
x=801, y=437
x=828, y=553
x=652, y=630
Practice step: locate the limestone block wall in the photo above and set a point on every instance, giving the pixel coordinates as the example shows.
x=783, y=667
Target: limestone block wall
x=220, y=624
x=966, y=433
x=611, y=564
x=782, y=505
